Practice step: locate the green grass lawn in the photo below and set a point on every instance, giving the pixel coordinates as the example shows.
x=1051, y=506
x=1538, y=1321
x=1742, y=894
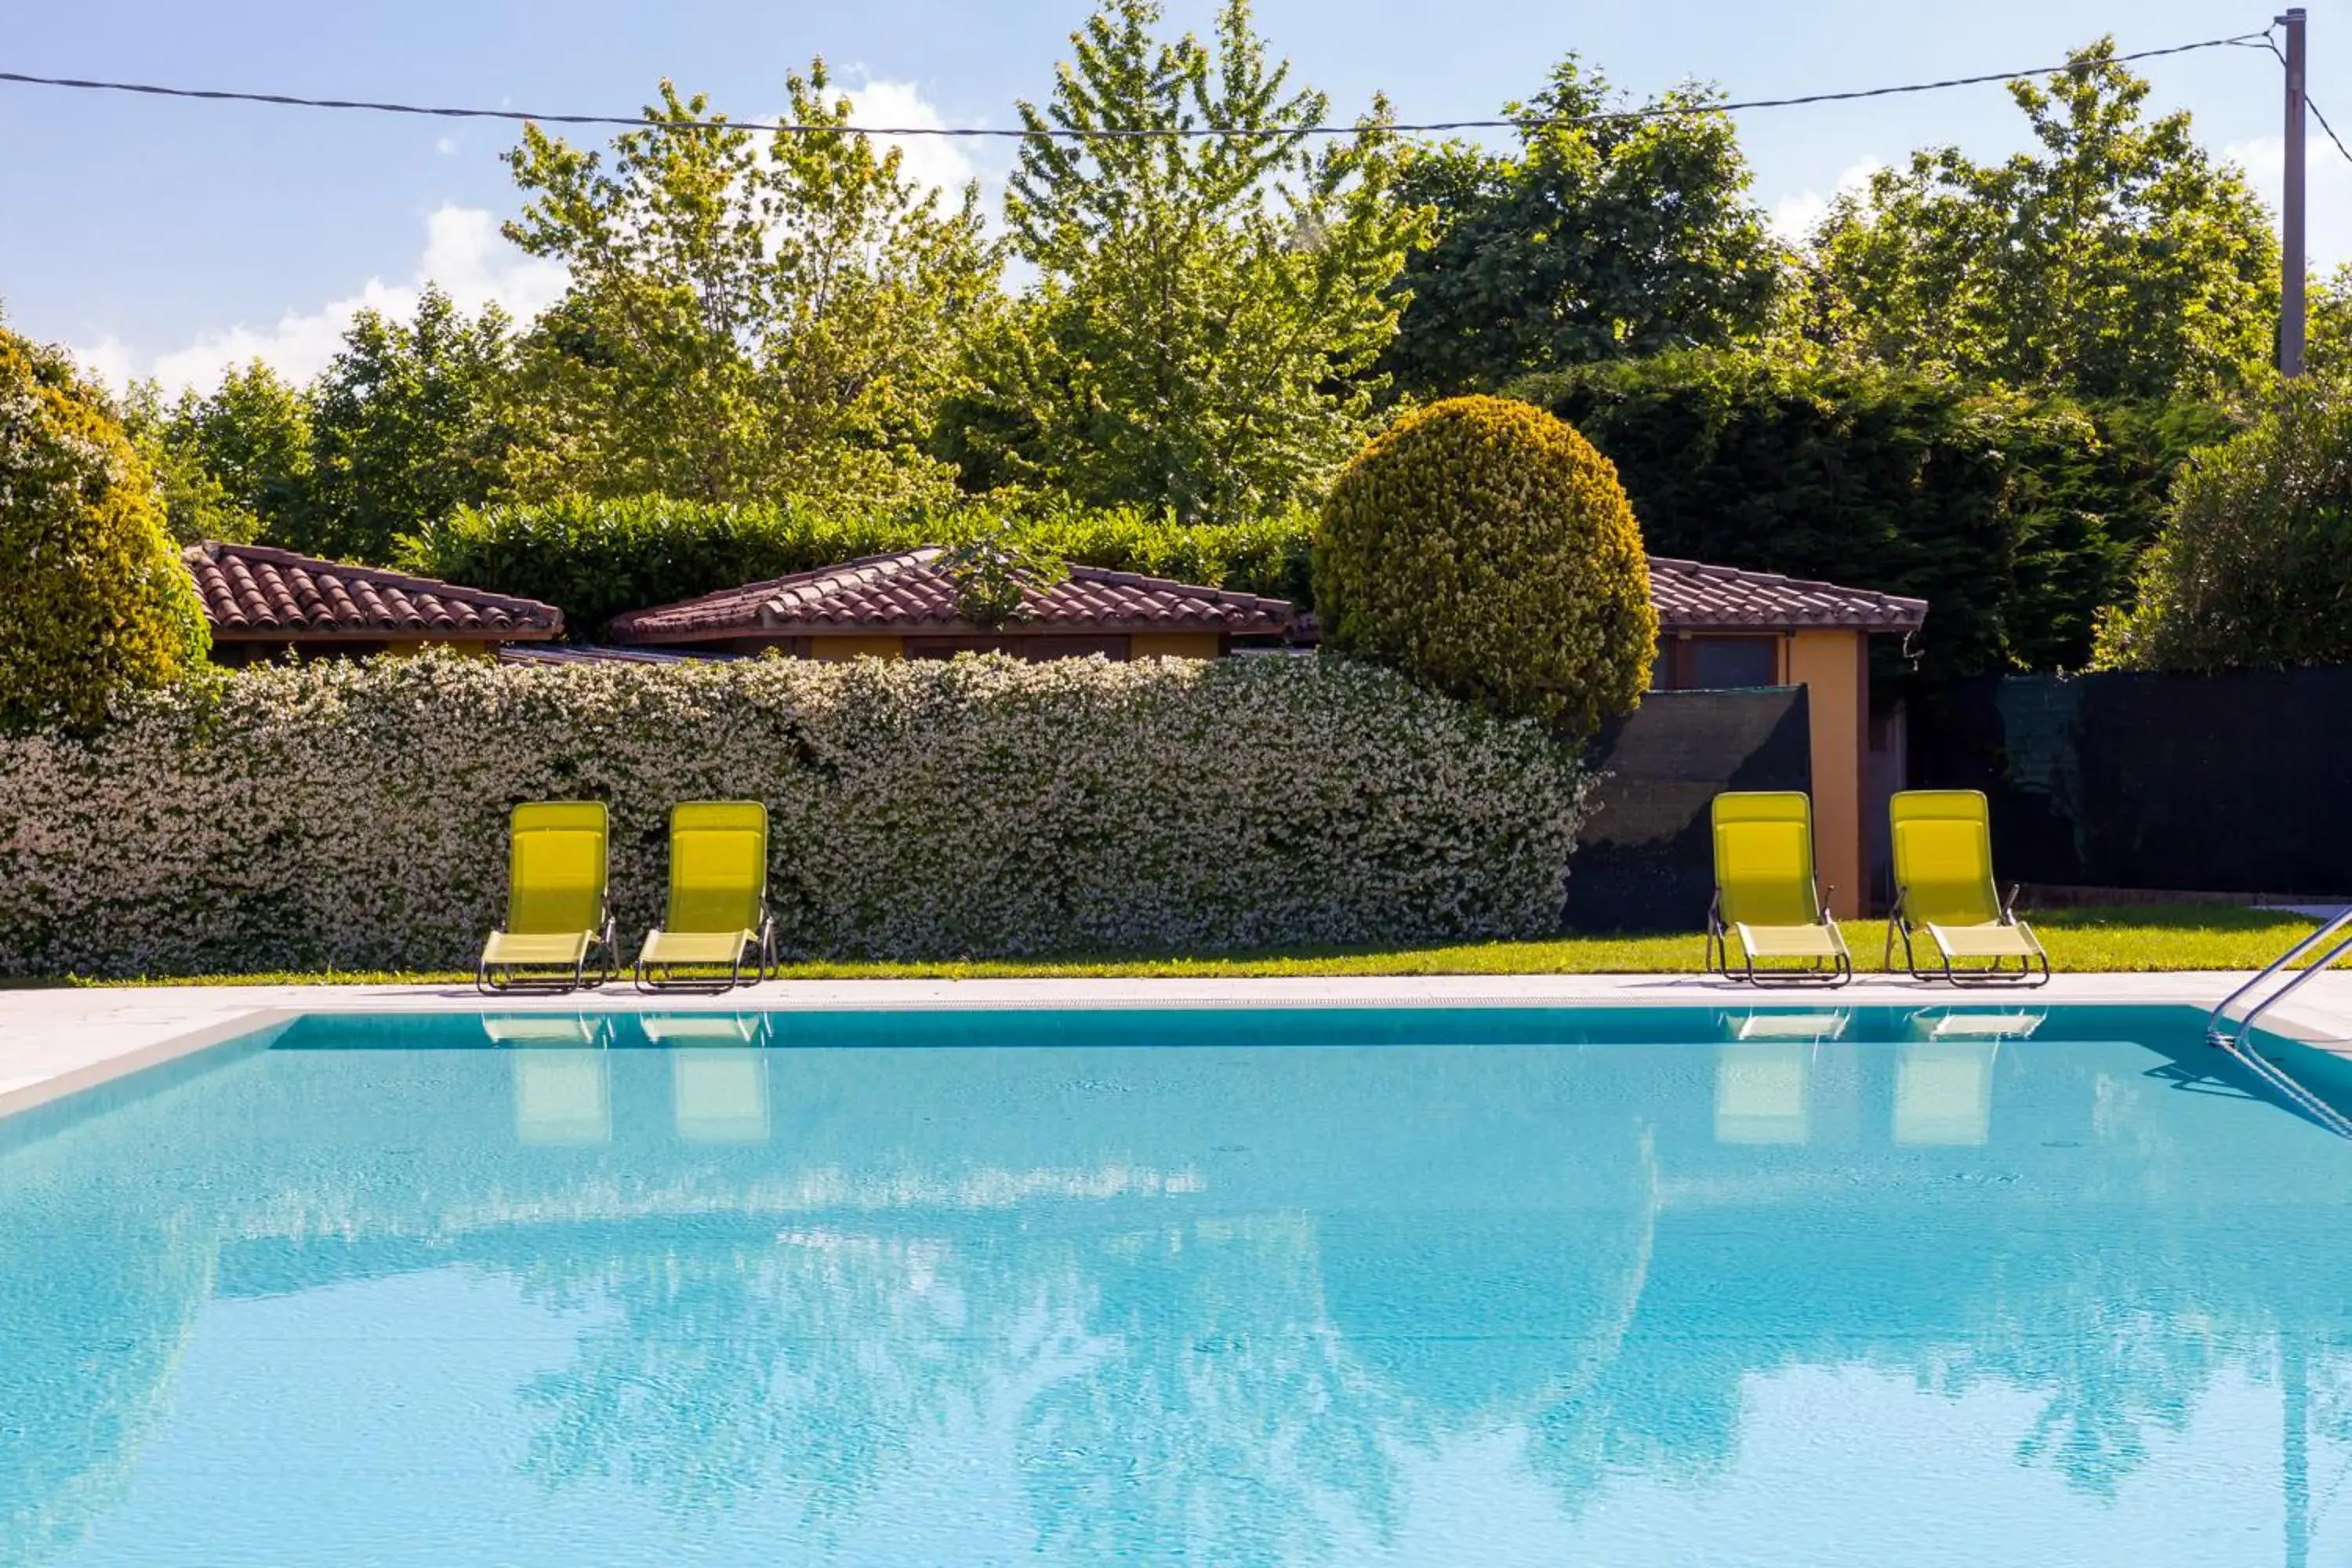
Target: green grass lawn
x=2132, y=938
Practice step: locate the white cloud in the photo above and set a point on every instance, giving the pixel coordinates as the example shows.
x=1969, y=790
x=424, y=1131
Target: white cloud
x=942, y=161
x=467, y=255
x=110, y=360
x=445, y=145
x=464, y=253
x=1794, y=217
x=2326, y=196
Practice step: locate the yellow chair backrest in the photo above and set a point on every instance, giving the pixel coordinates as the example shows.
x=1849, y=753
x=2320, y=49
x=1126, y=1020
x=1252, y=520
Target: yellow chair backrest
x=717, y=866
x=1764, y=858
x=556, y=863
x=1943, y=856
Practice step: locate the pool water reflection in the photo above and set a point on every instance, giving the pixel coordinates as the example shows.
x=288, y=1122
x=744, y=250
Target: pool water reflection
x=1803, y=1286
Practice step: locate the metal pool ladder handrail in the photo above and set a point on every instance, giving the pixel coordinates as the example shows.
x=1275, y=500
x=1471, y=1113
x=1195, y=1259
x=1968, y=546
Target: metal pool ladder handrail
x=2311, y=1105
x=2215, y=1019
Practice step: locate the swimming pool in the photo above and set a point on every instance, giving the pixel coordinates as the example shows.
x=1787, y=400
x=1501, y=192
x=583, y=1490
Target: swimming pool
x=1649, y=1286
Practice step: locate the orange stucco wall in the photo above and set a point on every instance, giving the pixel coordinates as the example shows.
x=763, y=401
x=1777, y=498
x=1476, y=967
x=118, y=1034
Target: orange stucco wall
x=469, y=649
x=1173, y=645
x=1834, y=669
x=857, y=648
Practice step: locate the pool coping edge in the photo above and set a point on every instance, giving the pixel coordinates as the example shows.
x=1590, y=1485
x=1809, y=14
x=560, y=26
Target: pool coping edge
x=2320, y=1018
x=141, y=1058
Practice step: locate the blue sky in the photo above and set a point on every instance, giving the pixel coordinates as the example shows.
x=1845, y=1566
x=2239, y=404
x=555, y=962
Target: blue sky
x=162, y=236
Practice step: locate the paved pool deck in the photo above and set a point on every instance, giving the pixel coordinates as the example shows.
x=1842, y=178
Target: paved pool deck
x=54, y=1042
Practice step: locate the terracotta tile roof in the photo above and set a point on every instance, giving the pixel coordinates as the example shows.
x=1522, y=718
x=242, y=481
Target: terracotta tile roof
x=1691, y=596
x=884, y=596
x=251, y=592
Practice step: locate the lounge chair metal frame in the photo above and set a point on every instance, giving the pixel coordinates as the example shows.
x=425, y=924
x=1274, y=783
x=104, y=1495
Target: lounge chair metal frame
x=1765, y=873
x=1836, y=970
x=507, y=979
x=1967, y=892
x=658, y=976
x=650, y=979
x=2026, y=974
x=550, y=969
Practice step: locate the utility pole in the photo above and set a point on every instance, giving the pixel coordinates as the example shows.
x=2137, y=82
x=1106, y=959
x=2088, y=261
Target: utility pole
x=2290, y=348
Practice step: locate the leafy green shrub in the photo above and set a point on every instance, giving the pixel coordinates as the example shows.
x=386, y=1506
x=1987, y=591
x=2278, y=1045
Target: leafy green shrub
x=599, y=558
x=1485, y=550
x=920, y=808
x=2015, y=517
x=2254, y=565
x=1267, y=555
x=93, y=599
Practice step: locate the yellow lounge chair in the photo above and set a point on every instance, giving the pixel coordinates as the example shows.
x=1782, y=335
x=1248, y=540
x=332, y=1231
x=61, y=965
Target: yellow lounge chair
x=1944, y=888
x=1766, y=893
x=718, y=911
x=555, y=900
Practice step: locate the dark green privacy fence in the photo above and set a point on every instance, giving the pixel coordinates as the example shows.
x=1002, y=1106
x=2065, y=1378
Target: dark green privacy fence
x=2230, y=783
x=1647, y=859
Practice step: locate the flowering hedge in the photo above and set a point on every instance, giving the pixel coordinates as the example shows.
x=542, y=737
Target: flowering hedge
x=351, y=815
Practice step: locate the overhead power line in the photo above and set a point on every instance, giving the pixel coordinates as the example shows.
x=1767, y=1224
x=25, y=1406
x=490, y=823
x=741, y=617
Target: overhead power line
x=2309, y=102
x=1094, y=133
x=2329, y=129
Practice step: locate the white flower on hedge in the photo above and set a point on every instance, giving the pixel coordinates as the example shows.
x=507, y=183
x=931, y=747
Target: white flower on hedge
x=352, y=815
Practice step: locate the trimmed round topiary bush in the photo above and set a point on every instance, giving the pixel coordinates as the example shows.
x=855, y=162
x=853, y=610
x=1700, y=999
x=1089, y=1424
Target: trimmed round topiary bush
x=93, y=598
x=1485, y=550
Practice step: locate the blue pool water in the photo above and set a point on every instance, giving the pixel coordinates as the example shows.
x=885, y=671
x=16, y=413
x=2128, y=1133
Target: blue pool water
x=1821, y=1288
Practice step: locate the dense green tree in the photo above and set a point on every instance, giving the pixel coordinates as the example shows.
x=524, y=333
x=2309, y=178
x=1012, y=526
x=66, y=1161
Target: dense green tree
x=1206, y=308
x=2114, y=258
x=2327, y=347
x=745, y=320
x=232, y=463
x=196, y=504
x=94, y=602
x=408, y=424
x=2017, y=515
x=1600, y=238
x=254, y=432
x=2254, y=565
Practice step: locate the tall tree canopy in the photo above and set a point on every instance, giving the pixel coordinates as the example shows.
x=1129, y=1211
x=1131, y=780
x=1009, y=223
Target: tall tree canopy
x=406, y=426
x=196, y=500
x=232, y=463
x=745, y=321
x=1602, y=238
x=2328, y=348
x=1207, y=309
x=2115, y=259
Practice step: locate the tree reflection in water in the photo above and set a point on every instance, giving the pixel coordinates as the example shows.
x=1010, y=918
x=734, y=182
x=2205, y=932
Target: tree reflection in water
x=1164, y=1383
x=721, y=1368
x=1220, y=1409
x=92, y=1334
